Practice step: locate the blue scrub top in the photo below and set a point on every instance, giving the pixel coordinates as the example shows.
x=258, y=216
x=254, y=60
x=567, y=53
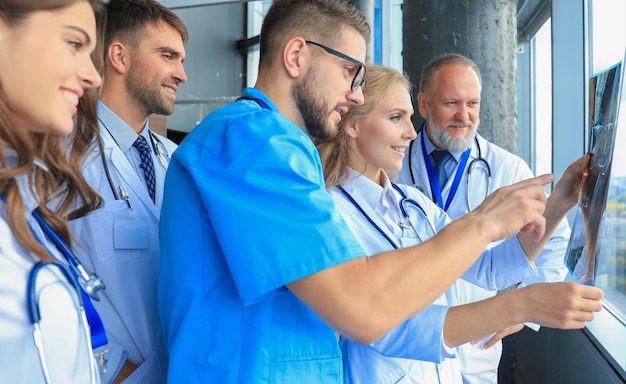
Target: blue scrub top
x=246, y=212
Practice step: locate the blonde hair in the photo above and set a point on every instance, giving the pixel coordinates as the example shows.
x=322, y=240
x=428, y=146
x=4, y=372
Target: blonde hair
x=335, y=153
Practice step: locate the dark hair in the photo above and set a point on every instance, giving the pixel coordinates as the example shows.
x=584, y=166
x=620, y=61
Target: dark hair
x=435, y=65
x=319, y=20
x=63, y=184
x=15, y=11
x=127, y=21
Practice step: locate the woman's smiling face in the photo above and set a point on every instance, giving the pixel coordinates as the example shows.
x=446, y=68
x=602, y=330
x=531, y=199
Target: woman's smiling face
x=381, y=138
x=46, y=66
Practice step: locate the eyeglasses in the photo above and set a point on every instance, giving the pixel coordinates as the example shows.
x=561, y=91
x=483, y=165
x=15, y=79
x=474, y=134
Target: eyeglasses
x=359, y=76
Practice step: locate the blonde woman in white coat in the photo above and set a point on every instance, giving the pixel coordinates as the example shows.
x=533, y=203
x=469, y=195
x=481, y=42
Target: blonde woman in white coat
x=369, y=147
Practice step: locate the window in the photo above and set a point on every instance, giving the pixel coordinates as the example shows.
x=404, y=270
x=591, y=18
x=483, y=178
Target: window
x=541, y=56
x=607, y=42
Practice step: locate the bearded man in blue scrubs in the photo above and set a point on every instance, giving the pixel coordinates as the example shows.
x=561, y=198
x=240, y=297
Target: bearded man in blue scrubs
x=259, y=272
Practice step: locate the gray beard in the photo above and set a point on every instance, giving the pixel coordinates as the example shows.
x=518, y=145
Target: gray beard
x=443, y=138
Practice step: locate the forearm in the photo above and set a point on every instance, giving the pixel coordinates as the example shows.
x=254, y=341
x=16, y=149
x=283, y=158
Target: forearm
x=555, y=213
x=501, y=266
x=564, y=197
x=555, y=305
x=477, y=320
x=365, y=298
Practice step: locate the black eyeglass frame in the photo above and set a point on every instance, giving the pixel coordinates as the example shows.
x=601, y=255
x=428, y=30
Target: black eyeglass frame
x=360, y=72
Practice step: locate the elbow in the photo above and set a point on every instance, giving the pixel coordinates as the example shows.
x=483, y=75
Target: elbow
x=362, y=338
x=365, y=334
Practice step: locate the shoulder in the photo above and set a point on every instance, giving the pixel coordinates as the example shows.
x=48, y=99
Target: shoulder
x=169, y=144
x=250, y=131
x=504, y=162
x=495, y=151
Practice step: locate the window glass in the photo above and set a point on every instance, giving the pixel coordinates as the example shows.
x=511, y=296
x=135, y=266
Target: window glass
x=541, y=46
x=607, y=42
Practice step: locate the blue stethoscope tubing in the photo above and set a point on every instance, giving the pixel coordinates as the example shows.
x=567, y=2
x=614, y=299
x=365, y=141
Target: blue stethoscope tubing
x=435, y=187
x=403, y=210
x=92, y=283
x=34, y=313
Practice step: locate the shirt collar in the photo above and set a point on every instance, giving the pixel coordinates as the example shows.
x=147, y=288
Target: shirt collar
x=30, y=200
x=254, y=93
x=122, y=133
x=375, y=196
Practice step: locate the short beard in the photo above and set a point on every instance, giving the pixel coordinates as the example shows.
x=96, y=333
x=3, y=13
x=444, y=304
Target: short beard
x=312, y=109
x=443, y=138
x=147, y=97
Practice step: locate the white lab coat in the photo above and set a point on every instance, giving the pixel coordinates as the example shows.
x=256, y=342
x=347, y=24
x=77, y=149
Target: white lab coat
x=70, y=359
x=414, y=351
x=480, y=365
x=121, y=245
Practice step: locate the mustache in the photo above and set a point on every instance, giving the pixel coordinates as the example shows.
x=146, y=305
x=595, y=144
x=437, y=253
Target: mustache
x=459, y=123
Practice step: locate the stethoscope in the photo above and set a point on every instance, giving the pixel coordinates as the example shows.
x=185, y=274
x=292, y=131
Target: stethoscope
x=485, y=168
x=157, y=146
x=34, y=314
x=436, y=189
x=86, y=285
x=403, y=209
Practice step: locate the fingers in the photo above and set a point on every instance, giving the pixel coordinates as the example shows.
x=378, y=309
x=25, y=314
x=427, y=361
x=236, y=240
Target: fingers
x=541, y=180
x=519, y=206
x=565, y=305
x=569, y=187
x=587, y=301
x=502, y=334
x=591, y=293
x=579, y=165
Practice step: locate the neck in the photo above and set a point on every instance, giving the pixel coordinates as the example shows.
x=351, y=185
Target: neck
x=281, y=94
x=124, y=108
x=430, y=137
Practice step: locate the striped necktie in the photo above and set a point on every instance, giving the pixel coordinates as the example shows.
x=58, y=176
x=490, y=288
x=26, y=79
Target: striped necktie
x=146, y=164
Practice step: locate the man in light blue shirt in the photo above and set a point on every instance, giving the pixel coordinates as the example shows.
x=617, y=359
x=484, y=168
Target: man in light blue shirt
x=145, y=48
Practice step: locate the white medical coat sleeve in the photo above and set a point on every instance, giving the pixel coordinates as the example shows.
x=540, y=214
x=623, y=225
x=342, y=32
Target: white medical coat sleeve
x=501, y=266
x=418, y=338
x=550, y=261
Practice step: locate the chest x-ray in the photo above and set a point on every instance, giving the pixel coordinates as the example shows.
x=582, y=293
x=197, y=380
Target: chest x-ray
x=583, y=247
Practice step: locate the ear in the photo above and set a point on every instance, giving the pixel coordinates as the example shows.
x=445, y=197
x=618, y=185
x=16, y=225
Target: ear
x=117, y=57
x=352, y=129
x=421, y=105
x=293, y=57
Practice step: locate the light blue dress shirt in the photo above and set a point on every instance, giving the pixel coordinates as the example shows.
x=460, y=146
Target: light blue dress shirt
x=121, y=245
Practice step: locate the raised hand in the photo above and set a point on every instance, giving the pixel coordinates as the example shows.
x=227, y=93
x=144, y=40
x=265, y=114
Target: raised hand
x=562, y=305
x=517, y=207
x=568, y=189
